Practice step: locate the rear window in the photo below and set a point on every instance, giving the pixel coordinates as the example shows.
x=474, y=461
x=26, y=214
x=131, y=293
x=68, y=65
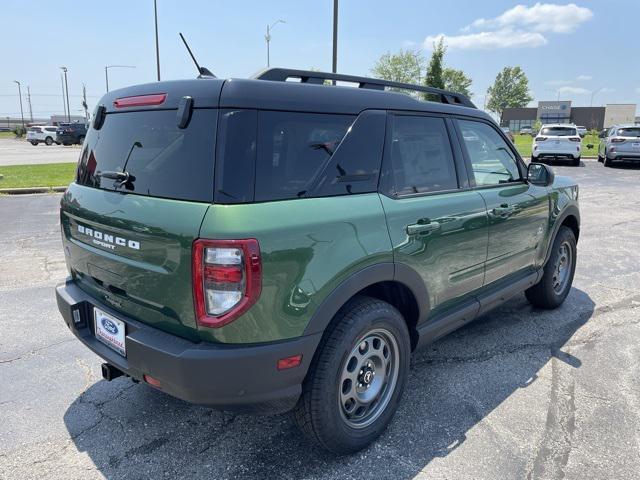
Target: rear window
x=629, y=132
x=34, y=129
x=558, y=132
x=161, y=159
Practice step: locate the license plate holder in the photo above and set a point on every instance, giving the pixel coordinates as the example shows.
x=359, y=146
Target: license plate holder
x=110, y=331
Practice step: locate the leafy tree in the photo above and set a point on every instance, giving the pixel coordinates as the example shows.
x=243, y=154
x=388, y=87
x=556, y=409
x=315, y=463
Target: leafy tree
x=510, y=90
x=405, y=66
x=456, y=81
x=434, y=70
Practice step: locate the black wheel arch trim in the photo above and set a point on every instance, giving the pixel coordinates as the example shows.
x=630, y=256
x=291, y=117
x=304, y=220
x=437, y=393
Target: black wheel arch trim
x=358, y=281
x=569, y=211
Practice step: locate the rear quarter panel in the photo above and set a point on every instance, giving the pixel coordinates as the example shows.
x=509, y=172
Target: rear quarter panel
x=308, y=247
x=563, y=202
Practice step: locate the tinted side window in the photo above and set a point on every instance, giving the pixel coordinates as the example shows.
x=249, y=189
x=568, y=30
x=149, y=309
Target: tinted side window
x=492, y=160
x=420, y=155
x=293, y=148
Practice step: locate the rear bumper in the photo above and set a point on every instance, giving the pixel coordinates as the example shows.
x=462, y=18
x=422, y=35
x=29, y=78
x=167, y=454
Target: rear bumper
x=628, y=156
x=556, y=155
x=241, y=378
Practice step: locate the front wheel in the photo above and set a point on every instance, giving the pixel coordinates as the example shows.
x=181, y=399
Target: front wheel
x=558, y=272
x=356, y=379
x=48, y=141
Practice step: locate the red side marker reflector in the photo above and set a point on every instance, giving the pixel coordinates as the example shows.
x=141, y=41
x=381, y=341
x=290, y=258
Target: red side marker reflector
x=289, y=362
x=140, y=100
x=152, y=381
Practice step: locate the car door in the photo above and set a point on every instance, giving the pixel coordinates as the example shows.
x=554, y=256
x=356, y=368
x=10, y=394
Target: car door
x=517, y=211
x=437, y=225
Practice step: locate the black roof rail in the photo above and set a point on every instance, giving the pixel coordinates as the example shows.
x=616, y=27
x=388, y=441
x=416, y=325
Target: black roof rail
x=318, y=78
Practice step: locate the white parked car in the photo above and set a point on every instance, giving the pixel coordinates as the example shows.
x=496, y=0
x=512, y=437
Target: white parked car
x=45, y=134
x=557, y=141
x=582, y=130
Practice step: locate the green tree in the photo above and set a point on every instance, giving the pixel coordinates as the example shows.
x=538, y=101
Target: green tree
x=405, y=66
x=433, y=77
x=456, y=81
x=510, y=90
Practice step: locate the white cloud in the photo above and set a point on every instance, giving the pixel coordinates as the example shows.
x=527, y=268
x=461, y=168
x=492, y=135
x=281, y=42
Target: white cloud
x=574, y=90
x=485, y=40
x=542, y=17
x=556, y=83
x=583, y=78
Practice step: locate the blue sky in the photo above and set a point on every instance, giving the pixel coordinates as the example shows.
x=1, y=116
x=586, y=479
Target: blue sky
x=577, y=48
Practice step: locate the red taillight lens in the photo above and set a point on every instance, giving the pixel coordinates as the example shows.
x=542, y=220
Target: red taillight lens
x=152, y=381
x=289, y=362
x=617, y=140
x=574, y=139
x=540, y=139
x=140, y=100
x=227, y=279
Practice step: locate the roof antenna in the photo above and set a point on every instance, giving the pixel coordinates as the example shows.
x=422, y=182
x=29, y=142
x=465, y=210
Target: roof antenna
x=203, y=71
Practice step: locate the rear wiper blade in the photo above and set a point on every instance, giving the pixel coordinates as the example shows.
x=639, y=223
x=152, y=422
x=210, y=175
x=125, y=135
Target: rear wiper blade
x=121, y=178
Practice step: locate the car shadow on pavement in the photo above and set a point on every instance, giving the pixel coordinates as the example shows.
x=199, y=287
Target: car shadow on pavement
x=130, y=430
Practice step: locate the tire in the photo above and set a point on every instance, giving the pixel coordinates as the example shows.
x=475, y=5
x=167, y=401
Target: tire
x=554, y=286
x=328, y=411
x=34, y=143
x=576, y=162
x=607, y=162
x=81, y=140
x=48, y=141
x=600, y=159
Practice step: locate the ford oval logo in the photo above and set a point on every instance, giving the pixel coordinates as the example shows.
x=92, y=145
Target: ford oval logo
x=109, y=326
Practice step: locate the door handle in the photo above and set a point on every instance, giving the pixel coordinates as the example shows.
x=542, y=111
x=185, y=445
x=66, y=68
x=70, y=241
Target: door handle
x=417, y=228
x=503, y=210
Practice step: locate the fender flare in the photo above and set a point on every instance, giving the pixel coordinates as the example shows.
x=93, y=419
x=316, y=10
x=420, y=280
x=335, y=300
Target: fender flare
x=570, y=210
x=380, y=272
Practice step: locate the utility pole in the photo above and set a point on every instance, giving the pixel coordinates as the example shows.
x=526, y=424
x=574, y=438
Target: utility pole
x=334, y=65
x=29, y=100
x=267, y=38
x=66, y=90
x=155, y=14
x=20, y=95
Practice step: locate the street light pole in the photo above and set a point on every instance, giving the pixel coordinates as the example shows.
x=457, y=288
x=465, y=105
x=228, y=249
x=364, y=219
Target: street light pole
x=29, y=100
x=20, y=95
x=155, y=14
x=106, y=72
x=334, y=63
x=64, y=102
x=267, y=38
x=66, y=89
x=593, y=93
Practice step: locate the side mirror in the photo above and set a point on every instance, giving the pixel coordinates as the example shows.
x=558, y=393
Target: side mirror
x=540, y=174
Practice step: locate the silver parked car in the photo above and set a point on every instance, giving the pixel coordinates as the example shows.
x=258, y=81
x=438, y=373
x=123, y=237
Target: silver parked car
x=620, y=142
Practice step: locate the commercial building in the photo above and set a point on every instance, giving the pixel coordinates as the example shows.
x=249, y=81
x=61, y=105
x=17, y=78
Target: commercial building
x=562, y=112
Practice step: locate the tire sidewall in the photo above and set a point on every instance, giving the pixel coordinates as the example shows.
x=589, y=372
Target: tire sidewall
x=564, y=234
x=345, y=437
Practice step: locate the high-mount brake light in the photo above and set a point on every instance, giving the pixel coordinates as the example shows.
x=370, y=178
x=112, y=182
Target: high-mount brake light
x=227, y=279
x=140, y=100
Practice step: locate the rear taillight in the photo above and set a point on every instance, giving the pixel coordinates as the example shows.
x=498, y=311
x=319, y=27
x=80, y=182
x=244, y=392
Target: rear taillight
x=227, y=279
x=574, y=139
x=140, y=100
x=540, y=139
x=617, y=140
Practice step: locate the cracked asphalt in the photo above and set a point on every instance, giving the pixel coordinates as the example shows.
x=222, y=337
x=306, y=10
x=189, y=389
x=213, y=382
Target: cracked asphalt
x=517, y=394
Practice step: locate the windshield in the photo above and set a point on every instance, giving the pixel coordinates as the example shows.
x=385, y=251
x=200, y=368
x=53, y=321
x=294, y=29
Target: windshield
x=558, y=131
x=629, y=132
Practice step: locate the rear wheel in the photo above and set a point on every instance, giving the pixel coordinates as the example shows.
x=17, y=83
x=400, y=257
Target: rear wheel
x=576, y=162
x=606, y=162
x=48, y=141
x=355, y=382
x=33, y=142
x=558, y=272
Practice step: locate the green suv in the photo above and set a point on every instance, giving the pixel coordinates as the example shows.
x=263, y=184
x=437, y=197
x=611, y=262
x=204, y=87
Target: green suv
x=266, y=245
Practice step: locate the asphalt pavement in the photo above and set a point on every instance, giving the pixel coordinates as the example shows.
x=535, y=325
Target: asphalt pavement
x=519, y=393
x=20, y=152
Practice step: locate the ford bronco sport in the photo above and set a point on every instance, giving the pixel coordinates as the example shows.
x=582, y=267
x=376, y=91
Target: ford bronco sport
x=268, y=245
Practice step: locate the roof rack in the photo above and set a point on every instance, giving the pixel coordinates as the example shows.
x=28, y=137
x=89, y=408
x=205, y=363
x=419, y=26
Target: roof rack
x=319, y=78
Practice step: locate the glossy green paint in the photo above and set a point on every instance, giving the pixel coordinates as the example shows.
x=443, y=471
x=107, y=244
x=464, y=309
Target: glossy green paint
x=151, y=284
x=515, y=237
x=450, y=259
x=308, y=247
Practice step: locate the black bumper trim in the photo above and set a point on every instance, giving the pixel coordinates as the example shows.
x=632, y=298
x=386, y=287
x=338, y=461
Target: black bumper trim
x=229, y=377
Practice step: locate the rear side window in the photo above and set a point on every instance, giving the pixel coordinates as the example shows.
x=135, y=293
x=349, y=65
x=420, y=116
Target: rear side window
x=293, y=149
x=629, y=132
x=558, y=132
x=420, y=156
x=162, y=159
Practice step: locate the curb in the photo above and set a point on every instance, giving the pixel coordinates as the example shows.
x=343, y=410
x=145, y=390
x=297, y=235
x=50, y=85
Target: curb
x=25, y=190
